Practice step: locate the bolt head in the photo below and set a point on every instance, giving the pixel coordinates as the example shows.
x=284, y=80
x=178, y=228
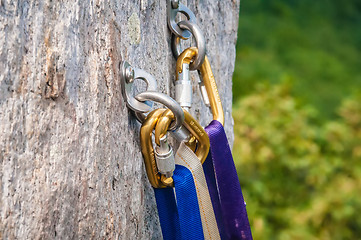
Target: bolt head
x=175, y=4
x=129, y=74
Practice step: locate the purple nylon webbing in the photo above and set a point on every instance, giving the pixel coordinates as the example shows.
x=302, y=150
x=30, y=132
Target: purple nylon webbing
x=228, y=203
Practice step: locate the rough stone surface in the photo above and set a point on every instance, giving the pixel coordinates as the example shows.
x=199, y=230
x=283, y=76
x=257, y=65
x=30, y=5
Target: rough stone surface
x=70, y=160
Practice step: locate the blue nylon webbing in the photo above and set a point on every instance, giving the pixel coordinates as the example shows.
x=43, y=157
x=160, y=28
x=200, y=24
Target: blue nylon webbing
x=168, y=213
x=185, y=223
x=188, y=209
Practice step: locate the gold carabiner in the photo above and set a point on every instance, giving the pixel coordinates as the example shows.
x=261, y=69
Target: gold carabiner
x=156, y=179
x=208, y=81
x=193, y=127
x=212, y=91
x=186, y=57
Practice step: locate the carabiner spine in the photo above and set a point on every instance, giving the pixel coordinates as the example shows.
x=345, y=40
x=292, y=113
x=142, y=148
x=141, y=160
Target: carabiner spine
x=212, y=91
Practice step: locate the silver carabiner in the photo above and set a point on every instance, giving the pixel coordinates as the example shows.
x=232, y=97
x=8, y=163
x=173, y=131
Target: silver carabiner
x=173, y=9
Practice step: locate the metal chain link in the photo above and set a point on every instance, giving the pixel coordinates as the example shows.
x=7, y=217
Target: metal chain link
x=184, y=30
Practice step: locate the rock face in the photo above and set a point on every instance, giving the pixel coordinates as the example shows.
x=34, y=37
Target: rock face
x=70, y=160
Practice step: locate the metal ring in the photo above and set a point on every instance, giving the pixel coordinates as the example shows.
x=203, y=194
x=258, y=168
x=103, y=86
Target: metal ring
x=166, y=101
x=172, y=13
x=200, y=41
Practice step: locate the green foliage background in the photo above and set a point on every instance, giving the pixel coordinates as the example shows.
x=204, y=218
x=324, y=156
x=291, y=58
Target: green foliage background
x=297, y=112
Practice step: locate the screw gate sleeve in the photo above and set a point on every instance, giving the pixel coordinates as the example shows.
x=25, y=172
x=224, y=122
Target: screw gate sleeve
x=183, y=87
x=165, y=158
x=204, y=93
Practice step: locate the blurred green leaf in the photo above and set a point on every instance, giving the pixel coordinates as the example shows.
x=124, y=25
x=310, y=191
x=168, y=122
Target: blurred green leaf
x=301, y=178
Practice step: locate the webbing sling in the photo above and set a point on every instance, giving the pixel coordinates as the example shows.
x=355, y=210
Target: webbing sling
x=179, y=219
x=188, y=210
x=224, y=186
x=168, y=213
x=187, y=158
